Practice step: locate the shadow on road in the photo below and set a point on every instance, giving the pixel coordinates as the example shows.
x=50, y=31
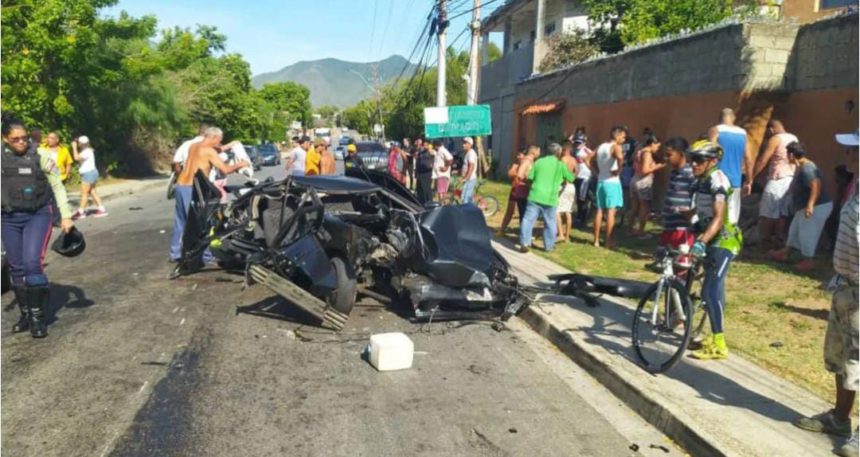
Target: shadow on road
x=62, y=296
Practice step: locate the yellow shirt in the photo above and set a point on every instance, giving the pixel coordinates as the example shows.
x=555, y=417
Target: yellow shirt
x=63, y=159
x=312, y=164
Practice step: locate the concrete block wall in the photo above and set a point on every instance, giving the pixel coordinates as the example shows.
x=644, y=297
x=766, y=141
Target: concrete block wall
x=824, y=55
x=709, y=61
x=766, y=56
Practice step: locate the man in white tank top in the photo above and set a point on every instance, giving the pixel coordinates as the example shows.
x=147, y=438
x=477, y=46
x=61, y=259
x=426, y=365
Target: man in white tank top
x=775, y=200
x=609, y=162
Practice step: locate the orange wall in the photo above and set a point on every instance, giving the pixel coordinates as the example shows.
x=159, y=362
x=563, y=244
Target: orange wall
x=814, y=116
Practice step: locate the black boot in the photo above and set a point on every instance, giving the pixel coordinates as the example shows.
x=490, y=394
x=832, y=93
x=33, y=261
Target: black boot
x=23, y=304
x=38, y=301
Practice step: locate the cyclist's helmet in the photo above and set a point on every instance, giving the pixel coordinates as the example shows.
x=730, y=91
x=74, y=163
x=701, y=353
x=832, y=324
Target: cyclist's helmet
x=706, y=148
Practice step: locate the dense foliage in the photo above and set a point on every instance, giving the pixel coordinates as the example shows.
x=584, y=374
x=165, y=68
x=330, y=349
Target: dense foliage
x=568, y=48
x=134, y=91
x=625, y=22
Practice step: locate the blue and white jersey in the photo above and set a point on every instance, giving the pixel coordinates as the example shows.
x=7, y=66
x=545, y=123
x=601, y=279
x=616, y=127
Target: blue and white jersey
x=733, y=139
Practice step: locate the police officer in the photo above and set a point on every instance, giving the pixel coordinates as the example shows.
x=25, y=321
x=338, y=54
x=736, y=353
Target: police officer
x=30, y=183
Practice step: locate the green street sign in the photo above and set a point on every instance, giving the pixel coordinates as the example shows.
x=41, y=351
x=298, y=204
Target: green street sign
x=457, y=121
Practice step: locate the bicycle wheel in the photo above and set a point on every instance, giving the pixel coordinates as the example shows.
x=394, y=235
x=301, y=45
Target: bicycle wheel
x=661, y=325
x=488, y=204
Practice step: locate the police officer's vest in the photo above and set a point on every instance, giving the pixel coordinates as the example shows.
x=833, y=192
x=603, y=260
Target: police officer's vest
x=25, y=186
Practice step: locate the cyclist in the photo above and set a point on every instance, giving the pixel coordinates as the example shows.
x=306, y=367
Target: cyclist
x=718, y=240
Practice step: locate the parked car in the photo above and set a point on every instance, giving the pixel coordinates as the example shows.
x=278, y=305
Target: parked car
x=270, y=154
x=373, y=154
x=255, y=156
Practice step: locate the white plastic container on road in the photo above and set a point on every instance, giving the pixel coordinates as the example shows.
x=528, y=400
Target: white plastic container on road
x=390, y=351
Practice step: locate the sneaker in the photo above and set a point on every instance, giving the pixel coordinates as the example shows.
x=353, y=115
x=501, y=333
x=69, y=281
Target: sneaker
x=850, y=448
x=711, y=350
x=100, y=212
x=78, y=214
x=825, y=422
x=521, y=248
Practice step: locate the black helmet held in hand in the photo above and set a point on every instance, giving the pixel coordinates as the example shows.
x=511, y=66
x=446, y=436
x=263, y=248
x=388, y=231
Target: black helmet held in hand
x=70, y=244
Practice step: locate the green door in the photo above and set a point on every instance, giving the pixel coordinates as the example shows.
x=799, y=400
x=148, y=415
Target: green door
x=549, y=130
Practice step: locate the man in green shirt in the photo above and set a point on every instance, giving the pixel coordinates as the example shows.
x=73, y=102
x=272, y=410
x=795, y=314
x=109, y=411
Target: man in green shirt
x=546, y=177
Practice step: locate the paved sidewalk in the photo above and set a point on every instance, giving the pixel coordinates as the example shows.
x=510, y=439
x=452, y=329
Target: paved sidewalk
x=128, y=187
x=731, y=408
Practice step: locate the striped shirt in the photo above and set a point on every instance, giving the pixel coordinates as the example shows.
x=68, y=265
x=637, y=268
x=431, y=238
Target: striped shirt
x=678, y=197
x=845, y=254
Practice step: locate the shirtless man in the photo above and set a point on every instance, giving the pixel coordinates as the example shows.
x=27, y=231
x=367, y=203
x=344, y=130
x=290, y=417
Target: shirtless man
x=567, y=198
x=202, y=157
x=532, y=154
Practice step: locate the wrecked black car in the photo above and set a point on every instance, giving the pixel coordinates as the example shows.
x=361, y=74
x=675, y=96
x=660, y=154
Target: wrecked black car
x=319, y=241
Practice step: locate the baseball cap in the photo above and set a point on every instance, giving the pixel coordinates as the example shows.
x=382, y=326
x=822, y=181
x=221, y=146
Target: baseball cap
x=350, y=147
x=469, y=140
x=848, y=139
x=304, y=138
x=83, y=139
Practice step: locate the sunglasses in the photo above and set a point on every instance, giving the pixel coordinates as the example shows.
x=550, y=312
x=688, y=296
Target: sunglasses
x=18, y=139
x=700, y=160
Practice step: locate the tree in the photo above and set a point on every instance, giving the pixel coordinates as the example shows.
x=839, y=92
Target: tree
x=493, y=52
x=134, y=92
x=624, y=22
x=649, y=19
x=566, y=49
x=291, y=97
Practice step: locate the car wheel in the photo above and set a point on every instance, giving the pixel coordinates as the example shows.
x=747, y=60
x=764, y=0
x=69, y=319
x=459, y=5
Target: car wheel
x=343, y=298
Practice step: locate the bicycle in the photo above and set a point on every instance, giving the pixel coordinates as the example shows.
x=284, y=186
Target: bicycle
x=488, y=204
x=663, y=322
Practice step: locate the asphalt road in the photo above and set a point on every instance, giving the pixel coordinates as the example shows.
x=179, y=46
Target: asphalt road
x=138, y=365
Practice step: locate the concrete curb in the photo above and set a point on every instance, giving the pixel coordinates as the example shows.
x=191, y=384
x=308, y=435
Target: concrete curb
x=649, y=408
x=123, y=189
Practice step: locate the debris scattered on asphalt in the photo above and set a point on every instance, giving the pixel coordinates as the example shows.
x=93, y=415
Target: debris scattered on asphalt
x=512, y=430
x=291, y=335
x=194, y=286
x=135, y=208
x=162, y=231
x=660, y=447
x=499, y=326
x=634, y=447
x=390, y=351
x=776, y=344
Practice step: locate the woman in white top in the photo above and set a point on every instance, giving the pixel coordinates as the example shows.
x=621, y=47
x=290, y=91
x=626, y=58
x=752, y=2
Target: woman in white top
x=89, y=176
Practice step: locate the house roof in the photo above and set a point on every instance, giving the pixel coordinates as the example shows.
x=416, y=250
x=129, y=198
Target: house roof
x=498, y=16
x=543, y=108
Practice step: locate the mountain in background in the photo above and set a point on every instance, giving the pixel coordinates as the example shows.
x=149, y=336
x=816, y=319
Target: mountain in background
x=333, y=81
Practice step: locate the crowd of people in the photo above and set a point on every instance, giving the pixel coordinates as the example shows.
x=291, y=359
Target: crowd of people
x=701, y=210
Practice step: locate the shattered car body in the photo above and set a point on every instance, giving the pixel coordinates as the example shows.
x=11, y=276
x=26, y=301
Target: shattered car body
x=319, y=241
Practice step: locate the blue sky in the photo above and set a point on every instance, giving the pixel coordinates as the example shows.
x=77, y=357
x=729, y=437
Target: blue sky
x=271, y=34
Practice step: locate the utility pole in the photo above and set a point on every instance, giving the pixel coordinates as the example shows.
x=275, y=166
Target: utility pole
x=474, y=60
x=441, y=26
x=474, y=75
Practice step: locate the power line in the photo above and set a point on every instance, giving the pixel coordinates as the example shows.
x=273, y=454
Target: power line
x=385, y=29
x=470, y=10
x=372, y=30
